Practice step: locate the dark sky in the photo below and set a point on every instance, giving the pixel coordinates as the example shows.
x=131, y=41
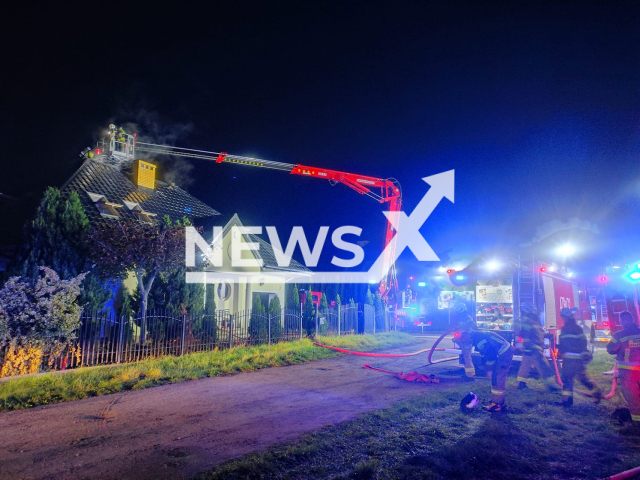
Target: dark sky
x=536, y=107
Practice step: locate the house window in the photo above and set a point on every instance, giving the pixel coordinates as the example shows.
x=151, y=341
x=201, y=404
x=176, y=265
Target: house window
x=224, y=291
x=105, y=208
x=140, y=214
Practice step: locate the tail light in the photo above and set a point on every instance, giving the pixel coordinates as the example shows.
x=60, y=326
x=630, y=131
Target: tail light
x=98, y=151
x=456, y=335
x=520, y=339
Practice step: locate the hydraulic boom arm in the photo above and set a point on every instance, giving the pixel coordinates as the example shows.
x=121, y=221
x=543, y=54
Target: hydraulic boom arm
x=382, y=190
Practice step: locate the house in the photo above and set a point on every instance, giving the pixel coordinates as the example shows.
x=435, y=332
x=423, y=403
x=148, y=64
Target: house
x=110, y=192
x=240, y=294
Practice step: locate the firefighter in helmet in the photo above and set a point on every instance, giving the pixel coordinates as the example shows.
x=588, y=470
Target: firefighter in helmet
x=533, y=346
x=625, y=345
x=464, y=325
x=575, y=356
x=496, y=355
x=121, y=139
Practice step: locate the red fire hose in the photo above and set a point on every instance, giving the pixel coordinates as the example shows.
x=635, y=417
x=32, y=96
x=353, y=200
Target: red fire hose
x=626, y=474
x=363, y=354
x=397, y=355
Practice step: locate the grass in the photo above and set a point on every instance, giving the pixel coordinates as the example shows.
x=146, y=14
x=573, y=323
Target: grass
x=428, y=437
x=50, y=388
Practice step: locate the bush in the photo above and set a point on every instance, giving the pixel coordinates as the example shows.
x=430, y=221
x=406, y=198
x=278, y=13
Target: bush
x=37, y=319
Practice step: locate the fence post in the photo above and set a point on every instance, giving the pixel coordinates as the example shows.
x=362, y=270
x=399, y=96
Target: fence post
x=301, y=321
x=339, y=319
x=184, y=334
x=374, y=321
x=269, y=327
x=120, y=340
x=315, y=334
x=231, y=331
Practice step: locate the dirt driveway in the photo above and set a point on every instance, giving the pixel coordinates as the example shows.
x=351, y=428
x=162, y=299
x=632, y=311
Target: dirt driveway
x=176, y=431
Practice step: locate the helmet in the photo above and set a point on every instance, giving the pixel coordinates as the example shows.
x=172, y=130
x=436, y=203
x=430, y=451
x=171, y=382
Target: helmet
x=626, y=318
x=460, y=308
x=574, y=311
x=566, y=313
x=469, y=402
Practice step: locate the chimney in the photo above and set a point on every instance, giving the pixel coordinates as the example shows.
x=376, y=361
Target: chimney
x=144, y=174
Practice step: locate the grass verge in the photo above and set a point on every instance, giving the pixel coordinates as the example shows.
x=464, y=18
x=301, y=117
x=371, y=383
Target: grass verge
x=55, y=387
x=428, y=437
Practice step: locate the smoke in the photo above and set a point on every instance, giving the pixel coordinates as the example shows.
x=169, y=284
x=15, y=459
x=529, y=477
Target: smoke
x=554, y=226
x=151, y=127
x=179, y=172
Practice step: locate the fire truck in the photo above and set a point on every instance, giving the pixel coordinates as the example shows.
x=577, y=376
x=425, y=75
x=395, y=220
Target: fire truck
x=500, y=287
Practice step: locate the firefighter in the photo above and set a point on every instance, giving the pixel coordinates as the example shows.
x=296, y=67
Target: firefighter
x=625, y=345
x=533, y=347
x=497, y=354
x=121, y=139
x=463, y=327
x=573, y=351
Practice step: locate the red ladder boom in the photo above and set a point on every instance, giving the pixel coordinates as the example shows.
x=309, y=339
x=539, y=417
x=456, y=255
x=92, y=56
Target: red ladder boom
x=382, y=190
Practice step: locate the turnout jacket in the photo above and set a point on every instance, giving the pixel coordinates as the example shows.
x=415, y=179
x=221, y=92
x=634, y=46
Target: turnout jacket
x=532, y=336
x=489, y=345
x=625, y=345
x=573, y=343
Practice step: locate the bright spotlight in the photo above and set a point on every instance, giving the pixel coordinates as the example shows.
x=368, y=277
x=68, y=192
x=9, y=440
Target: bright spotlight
x=566, y=250
x=492, y=266
x=635, y=276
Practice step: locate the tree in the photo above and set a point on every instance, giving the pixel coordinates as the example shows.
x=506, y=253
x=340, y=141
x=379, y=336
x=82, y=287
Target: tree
x=293, y=300
x=258, y=322
x=309, y=315
x=55, y=238
x=368, y=297
x=148, y=250
x=324, y=304
x=37, y=318
x=210, y=304
x=275, y=314
x=379, y=308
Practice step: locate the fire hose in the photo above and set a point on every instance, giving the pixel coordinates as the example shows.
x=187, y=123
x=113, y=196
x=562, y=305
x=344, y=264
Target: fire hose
x=626, y=474
x=397, y=355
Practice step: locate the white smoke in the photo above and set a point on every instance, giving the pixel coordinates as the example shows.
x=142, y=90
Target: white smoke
x=554, y=226
x=151, y=127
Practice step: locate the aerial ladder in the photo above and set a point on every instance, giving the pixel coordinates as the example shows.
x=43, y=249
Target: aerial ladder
x=120, y=147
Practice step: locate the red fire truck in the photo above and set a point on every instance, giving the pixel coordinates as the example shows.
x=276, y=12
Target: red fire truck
x=501, y=286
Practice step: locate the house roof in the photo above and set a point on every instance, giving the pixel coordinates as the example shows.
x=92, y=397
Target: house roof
x=265, y=251
x=96, y=181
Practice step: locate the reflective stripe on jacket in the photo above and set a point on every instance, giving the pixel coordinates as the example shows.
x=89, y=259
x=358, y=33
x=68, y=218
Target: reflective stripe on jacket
x=573, y=341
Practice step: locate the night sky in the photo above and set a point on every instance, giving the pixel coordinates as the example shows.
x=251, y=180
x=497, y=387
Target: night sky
x=536, y=107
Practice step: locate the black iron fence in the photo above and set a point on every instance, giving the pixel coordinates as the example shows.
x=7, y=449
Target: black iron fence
x=104, y=338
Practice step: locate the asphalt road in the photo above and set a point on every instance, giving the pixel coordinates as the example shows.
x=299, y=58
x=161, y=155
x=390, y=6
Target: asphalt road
x=176, y=431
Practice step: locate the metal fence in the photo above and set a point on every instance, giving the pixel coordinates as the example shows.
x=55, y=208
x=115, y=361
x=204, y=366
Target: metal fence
x=104, y=338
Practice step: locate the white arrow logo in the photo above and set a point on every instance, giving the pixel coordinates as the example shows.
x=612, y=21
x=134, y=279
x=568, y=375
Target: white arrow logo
x=407, y=235
x=408, y=227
